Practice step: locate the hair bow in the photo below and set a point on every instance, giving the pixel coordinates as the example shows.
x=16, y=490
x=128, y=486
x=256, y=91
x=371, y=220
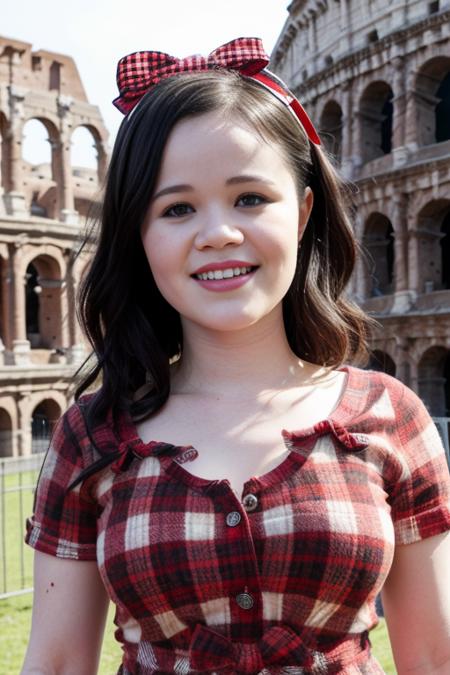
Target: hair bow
x=138, y=72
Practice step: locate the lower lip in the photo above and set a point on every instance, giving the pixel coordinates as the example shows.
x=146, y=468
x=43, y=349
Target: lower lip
x=221, y=285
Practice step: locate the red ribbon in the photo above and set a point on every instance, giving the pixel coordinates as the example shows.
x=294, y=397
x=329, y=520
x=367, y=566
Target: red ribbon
x=138, y=72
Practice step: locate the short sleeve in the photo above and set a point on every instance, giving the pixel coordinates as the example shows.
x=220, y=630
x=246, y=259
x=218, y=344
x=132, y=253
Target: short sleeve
x=420, y=497
x=64, y=523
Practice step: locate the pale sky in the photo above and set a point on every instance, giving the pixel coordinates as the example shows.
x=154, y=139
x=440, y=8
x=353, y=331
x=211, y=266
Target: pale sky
x=96, y=33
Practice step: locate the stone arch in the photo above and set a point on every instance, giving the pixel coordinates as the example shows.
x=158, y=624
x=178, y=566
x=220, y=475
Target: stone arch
x=434, y=380
x=433, y=231
x=43, y=302
x=381, y=361
x=376, y=118
x=433, y=101
x=99, y=143
x=6, y=433
x=331, y=128
x=44, y=417
x=378, y=242
x=43, y=172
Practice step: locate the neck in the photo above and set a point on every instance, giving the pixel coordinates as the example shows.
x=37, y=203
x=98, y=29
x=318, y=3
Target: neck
x=241, y=363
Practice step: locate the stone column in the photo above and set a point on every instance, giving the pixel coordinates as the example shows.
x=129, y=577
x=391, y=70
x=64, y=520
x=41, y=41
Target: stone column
x=15, y=198
x=347, y=160
x=399, y=151
x=400, y=224
x=5, y=290
x=102, y=159
x=21, y=346
x=24, y=426
x=68, y=213
x=359, y=284
x=414, y=261
x=403, y=369
x=411, y=131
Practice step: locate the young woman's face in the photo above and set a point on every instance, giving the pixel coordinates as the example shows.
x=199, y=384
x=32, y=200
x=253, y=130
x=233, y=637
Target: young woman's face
x=225, y=200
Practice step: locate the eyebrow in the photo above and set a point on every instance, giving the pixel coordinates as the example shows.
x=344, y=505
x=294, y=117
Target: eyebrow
x=235, y=180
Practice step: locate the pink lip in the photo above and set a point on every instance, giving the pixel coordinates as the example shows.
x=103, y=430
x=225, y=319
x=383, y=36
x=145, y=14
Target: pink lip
x=221, y=285
x=223, y=265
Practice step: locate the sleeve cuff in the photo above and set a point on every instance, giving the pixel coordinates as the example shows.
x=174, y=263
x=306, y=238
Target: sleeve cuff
x=42, y=541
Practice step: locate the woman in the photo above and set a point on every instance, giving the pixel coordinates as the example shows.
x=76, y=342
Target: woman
x=241, y=495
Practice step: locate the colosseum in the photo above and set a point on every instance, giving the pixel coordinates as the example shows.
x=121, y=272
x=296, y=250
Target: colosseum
x=375, y=76
x=42, y=209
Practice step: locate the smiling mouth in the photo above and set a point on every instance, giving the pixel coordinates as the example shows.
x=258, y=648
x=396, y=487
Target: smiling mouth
x=227, y=273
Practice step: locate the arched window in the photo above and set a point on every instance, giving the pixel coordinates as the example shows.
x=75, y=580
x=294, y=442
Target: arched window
x=43, y=421
x=378, y=242
x=434, y=242
x=6, y=449
x=376, y=112
x=43, y=303
x=443, y=111
x=432, y=100
x=331, y=129
x=36, y=148
x=434, y=381
x=382, y=362
x=32, y=293
x=445, y=251
x=83, y=149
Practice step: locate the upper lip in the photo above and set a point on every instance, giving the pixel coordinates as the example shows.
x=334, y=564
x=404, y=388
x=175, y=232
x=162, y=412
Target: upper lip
x=226, y=264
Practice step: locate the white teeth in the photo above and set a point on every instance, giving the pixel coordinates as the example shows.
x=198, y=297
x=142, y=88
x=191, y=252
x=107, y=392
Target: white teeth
x=223, y=274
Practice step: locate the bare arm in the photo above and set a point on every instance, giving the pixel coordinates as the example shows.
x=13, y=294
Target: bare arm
x=69, y=613
x=416, y=600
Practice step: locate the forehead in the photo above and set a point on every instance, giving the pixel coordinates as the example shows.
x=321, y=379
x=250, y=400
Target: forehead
x=215, y=141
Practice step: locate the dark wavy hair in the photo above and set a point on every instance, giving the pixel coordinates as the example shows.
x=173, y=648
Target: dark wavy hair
x=134, y=332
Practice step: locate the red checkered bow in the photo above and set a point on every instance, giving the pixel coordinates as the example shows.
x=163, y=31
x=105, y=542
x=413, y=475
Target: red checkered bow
x=138, y=72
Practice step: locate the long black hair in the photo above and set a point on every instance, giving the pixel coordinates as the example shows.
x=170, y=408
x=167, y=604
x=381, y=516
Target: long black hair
x=133, y=331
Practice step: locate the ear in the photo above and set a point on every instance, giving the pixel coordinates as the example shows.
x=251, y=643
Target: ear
x=306, y=206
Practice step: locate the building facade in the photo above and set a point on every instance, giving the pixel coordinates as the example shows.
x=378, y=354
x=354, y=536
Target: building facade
x=43, y=207
x=375, y=77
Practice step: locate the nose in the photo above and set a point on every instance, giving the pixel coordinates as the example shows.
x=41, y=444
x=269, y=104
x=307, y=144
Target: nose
x=217, y=231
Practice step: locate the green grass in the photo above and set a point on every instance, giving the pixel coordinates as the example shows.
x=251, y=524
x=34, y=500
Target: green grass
x=15, y=624
x=15, y=613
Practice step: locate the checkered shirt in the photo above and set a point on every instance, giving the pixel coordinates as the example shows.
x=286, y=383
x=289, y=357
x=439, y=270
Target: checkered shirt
x=281, y=580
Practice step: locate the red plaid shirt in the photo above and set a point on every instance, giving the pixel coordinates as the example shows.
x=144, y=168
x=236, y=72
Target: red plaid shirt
x=281, y=581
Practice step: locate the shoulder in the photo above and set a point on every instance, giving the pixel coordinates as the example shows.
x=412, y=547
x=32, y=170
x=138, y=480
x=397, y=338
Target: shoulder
x=384, y=395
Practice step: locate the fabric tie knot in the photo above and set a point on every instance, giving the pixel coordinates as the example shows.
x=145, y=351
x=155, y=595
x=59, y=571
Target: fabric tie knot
x=280, y=645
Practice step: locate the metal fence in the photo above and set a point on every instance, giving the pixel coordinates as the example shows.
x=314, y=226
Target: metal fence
x=18, y=478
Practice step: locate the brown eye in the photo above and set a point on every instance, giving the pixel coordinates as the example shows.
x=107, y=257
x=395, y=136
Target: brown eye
x=251, y=199
x=177, y=211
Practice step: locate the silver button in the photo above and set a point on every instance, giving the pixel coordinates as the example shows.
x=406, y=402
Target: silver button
x=244, y=600
x=233, y=518
x=250, y=502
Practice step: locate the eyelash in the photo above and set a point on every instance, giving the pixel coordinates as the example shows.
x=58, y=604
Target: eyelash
x=262, y=200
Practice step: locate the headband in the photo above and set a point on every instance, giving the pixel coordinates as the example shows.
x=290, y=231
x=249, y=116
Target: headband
x=137, y=73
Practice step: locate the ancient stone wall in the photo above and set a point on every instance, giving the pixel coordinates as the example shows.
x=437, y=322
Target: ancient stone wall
x=375, y=77
x=42, y=210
